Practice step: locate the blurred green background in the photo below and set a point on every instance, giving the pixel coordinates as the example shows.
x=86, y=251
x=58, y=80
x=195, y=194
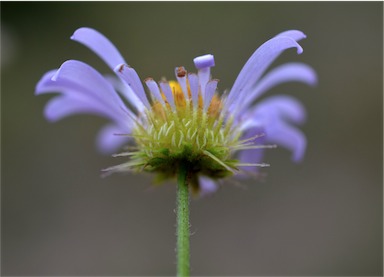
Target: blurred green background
x=321, y=217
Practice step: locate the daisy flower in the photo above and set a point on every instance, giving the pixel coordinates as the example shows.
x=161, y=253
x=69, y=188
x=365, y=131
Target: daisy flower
x=160, y=125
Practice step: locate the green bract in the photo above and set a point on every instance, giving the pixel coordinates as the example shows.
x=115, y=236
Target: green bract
x=167, y=137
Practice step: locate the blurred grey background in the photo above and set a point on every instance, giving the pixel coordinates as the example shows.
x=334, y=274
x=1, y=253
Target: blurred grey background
x=321, y=217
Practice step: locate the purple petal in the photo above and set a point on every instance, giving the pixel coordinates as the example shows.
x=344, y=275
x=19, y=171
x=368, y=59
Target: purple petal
x=285, y=73
x=257, y=64
x=209, y=92
x=204, y=64
x=41, y=85
x=207, y=186
x=273, y=114
x=281, y=106
x=252, y=155
x=104, y=48
x=181, y=76
x=204, y=61
x=84, y=76
x=204, y=75
x=99, y=44
x=194, y=86
x=166, y=89
x=129, y=75
x=126, y=92
x=110, y=138
x=288, y=137
x=154, y=89
x=294, y=34
x=78, y=80
x=63, y=106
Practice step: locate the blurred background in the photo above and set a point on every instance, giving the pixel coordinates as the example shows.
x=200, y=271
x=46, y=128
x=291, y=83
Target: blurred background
x=321, y=217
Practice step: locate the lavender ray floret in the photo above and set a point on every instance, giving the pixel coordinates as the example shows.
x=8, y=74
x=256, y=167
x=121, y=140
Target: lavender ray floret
x=99, y=44
x=130, y=77
x=111, y=137
x=256, y=65
x=289, y=72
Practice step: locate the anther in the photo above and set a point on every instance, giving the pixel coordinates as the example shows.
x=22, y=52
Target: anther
x=181, y=72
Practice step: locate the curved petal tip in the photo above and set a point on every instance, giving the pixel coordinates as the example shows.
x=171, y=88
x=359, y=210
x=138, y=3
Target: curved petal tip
x=294, y=34
x=80, y=31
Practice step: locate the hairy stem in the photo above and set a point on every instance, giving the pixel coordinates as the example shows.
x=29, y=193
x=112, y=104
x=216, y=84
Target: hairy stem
x=182, y=222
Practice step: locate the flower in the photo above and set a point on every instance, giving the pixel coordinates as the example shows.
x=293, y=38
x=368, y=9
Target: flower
x=185, y=120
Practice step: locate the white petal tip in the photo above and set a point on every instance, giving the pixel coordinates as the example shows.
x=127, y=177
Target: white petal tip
x=204, y=61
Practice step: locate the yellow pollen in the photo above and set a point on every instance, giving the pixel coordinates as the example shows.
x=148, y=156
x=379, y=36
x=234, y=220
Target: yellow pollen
x=178, y=95
x=181, y=103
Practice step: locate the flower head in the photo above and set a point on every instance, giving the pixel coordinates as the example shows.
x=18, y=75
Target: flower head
x=186, y=120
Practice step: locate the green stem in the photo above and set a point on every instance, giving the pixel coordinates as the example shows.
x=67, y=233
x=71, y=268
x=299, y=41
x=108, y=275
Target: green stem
x=182, y=223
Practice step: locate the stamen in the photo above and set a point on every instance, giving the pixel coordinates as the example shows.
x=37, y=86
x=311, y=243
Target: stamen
x=178, y=96
x=209, y=92
x=182, y=79
x=204, y=61
x=166, y=89
x=154, y=89
x=194, y=87
x=203, y=64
